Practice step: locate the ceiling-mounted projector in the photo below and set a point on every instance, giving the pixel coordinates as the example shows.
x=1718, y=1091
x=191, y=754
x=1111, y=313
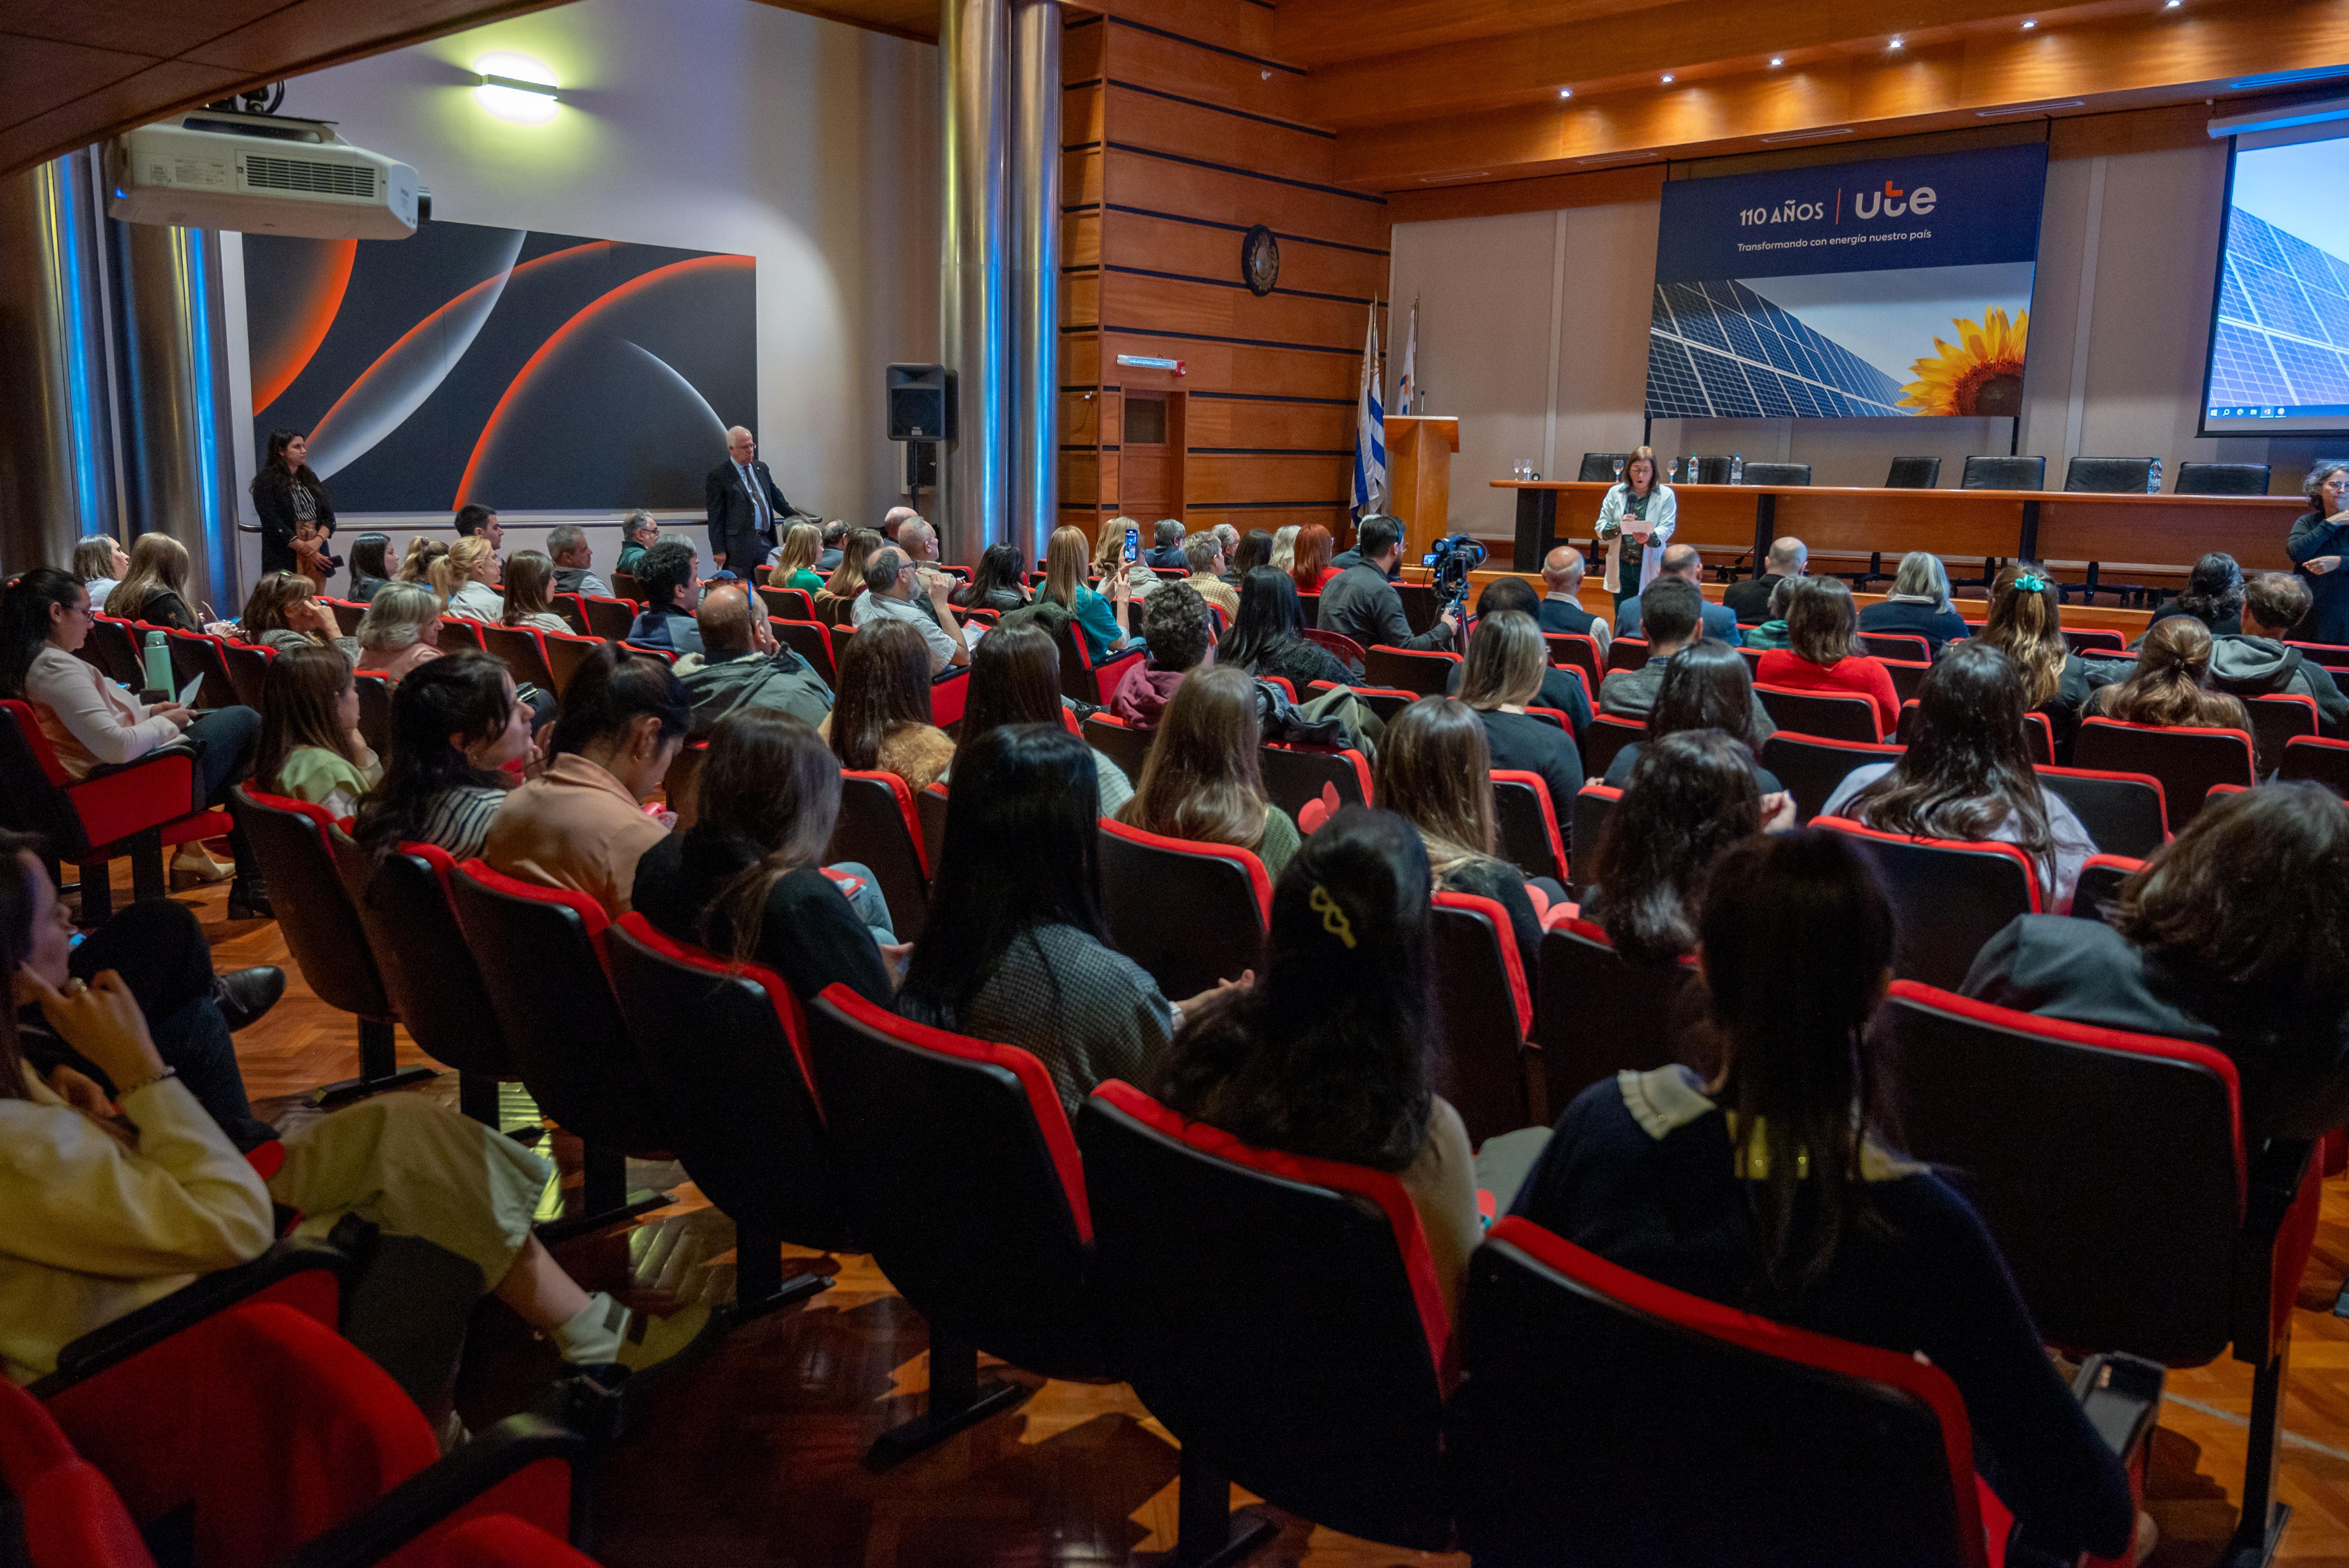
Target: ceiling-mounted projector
x=260, y=174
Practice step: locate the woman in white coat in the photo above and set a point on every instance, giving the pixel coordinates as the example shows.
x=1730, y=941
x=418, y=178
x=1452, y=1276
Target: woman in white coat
x=1635, y=524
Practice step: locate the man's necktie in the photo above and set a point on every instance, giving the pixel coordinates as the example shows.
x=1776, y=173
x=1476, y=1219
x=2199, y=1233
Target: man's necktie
x=766, y=519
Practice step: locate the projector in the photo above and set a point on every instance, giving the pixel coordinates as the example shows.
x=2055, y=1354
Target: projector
x=260, y=174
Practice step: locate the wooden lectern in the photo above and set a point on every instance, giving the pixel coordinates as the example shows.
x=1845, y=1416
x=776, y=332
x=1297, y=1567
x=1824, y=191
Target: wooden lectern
x=1419, y=478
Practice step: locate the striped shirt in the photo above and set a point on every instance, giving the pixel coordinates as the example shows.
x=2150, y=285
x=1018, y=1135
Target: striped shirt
x=459, y=819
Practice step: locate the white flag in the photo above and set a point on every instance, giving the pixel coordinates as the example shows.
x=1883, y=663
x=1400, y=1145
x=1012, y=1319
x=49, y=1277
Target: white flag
x=1407, y=390
x=1370, y=430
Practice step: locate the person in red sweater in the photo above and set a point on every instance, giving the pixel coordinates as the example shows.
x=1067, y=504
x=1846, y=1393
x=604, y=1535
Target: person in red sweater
x=1823, y=652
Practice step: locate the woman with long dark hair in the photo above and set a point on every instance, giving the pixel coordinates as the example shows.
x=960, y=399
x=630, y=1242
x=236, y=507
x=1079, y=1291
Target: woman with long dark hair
x=153, y=590
x=1507, y=662
x=1331, y=1053
x=370, y=566
x=1015, y=949
x=92, y=723
x=1001, y=584
x=1823, y=652
x=1015, y=678
x=2213, y=595
x=581, y=824
x=285, y=493
x=748, y=879
x=1689, y=799
x=1255, y=550
x=1435, y=772
x=1707, y=687
x=311, y=748
x=1268, y=637
x=1967, y=773
x=1766, y=1190
x=530, y=593
x=2235, y=934
x=880, y=718
x=456, y=728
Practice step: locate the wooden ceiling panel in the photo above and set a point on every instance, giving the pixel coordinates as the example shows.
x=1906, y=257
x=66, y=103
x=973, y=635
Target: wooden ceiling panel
x=131, y=101
x=38, y=75
x=158, y=29
x=905, y=18
x=1318, y=33
x=316, y=33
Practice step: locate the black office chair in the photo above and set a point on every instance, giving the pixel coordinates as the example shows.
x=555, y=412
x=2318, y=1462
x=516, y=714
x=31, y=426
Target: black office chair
x=1708, y=471
x=2222, y=478
x=2008, y=474
x=1914, y=473
x=1778, y=473
x=2109, y=476
x=1599, y=466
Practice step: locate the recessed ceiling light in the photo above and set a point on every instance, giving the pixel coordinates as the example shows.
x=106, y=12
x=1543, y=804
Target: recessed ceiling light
x=1777, y=60
x=1668, y=76
x=1895, y=43
x=2171, y=4
x=1566, y=92
x=2027, y=26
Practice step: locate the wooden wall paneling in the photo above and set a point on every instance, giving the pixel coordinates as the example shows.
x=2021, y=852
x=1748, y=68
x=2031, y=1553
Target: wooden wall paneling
x=1080, y=49
x=1081, y=298
x=1245, y=367
x=1274, y=479
x=1152, y=182
x=1239, y=25
x=1133, y=302
x=1162, y=60
x=1198, y=248
x=1079, y=358
x=2134, y=130
x=1081, y=179
x=1228, y=420
x=1079, y=480
x=1081, y=114
x=1270, y=518
x=1600, y=188
x=1080, y=423
x=2094, y=530
x=1081, y=238
x=1164, y=123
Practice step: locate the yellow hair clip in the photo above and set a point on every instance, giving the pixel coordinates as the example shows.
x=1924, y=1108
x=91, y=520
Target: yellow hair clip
x=1333, y=915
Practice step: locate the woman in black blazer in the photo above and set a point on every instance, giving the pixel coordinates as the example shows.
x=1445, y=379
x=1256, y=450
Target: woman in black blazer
x=285, y=492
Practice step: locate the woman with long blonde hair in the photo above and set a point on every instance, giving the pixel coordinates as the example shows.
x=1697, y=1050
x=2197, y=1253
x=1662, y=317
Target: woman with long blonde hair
x=795, y=567
x=1435, y=770
x=1099, y=617
x=150, y=590
x=1201, y=781
x=416, y=566
x=2027, y=624
x=2167, y=688
x=1501, y=676
x=1284, y=547
x=467, y=581
x=847, y=580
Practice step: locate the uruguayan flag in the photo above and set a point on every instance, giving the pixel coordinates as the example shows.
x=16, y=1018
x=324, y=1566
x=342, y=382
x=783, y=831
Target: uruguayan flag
x=1371, y=429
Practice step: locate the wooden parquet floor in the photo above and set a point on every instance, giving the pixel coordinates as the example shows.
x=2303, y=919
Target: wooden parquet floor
x=753, y=1456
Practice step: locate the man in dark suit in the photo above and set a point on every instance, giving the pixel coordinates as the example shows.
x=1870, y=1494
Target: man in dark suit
x=1562, y=606
x=1360, y=603
x=746, y=509
x=1750, y=599
x=1681, y=561
x=1166, y=547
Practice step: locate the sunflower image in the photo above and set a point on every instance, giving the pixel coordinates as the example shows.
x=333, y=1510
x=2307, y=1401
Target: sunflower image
x=1982, y=374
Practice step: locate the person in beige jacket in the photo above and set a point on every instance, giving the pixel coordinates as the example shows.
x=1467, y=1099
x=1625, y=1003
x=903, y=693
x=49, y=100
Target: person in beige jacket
x=106, y=1206
x=580, y=825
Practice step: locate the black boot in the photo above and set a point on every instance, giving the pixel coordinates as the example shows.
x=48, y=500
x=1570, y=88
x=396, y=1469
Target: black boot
x=248, y=899
x=244, y=995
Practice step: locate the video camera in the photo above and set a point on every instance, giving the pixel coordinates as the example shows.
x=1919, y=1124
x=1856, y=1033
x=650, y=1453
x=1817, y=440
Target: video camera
x=1450, y=562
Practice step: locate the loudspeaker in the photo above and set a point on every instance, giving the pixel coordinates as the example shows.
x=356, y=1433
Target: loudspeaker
x=921, y=466
x=921, y=403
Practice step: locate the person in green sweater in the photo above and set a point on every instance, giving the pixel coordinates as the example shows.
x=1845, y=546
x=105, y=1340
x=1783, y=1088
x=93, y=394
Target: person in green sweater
x=794, y=564
x=638, y=534
x=311, y=749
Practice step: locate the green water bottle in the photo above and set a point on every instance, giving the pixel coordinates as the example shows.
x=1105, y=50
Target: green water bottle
x=158, y=664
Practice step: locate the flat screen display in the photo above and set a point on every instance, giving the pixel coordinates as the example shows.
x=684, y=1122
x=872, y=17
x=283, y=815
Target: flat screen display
x=2280, y=332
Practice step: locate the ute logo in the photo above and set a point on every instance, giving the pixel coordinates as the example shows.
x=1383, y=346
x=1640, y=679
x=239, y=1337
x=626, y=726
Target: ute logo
x=1891, y=200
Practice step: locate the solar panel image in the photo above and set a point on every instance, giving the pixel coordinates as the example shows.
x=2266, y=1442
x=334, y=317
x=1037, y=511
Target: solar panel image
x=2283, y=340
x=1717, y=349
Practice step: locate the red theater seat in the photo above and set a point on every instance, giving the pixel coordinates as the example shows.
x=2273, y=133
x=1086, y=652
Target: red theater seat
x=1830, y=714
x=1486, y=1071
x=1295, y=776
x=1425, y=671
x=2124, y=813
x=879, y=829
x=1811, y=767
x=1526, y=820
x=1190, y=914
x=1949, y=898
x=1597, y=1013
x=2187, y=762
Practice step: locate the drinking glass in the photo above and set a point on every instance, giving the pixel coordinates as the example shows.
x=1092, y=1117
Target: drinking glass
x=1619, y=467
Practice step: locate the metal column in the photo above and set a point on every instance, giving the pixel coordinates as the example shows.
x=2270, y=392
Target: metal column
x=56, y=455
x=1034, y=437
x=973, y=321
x=180, y=476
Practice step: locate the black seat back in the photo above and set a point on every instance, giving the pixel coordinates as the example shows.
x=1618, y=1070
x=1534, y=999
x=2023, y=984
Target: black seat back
x=1607, y=1420
x=1913, y=473
x=314, y=914
x=1811, y=767
x=1778, y=473
x=427, y=968
x=879, y=827
x=1600, y=467
x=1608, y=734
x=1425, y=671
x=1190, y=914
x=812, y=641
x=2326, y=761
x=1948, y=899
x=1836, y=716
x=2187, y=762
x=1280, y=1315
x=2112, y=476
x=1487, y=1008
x=1120, y=742
x=2006, y=474
x=1596, y=1014
x=2222, y=478
x=724, y=1047
x=2124, y=813
x=961, y=1175
x=1297, y=776
x=1531, y=838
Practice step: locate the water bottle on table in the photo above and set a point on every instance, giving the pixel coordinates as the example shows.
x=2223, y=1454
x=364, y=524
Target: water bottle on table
x=2153, y=478
x=1737, y=467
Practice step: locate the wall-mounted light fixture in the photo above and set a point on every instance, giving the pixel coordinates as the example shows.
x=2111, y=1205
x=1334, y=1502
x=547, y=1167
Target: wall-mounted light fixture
x=516, y=88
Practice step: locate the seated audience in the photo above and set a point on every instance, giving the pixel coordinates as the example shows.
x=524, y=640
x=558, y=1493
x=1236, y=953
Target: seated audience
x=1201, y=780
x=1001, y=583
x=748, y=879
x=475, y=520
x=1504, y=672
x=92, y=723
x=573, y=561
x=1967, y=773
x=2235, y=935
x=741, y=666
x=2027, y=624
x=847, y=580
x=1267, y=636
x=1749, y=601
x=2167, y=688
x=669, y=583
x=638, y=534
x=795, y=563
x=284, y=614
x=918, y=543
x=1771, y=633
x=1099, y=618
x=1562, y=690
x=1767, y=1189
x=1165, y=551
x=581, y=824
x=112, y=1202
x=100, y=562
x=150, y=590
x=369, y=569
x=1175, y=631
x=1015, y=678
x=1332, y=1053
x=1229, y=538
x=1918, y=603
x=311, y=748
x=835, y=540
x=1284, y=547
x=1436, y=773
x=417, y=566
x=530, y=587
x=891, y=583
x=880, y=719
x=1707, y=686
x=467, y=578
x=400, y=630
x=1690, y=796
x=2258, y=663
x=1310, y=564
x=1681, y=561
x=1205, y=554
x=1254, y=550
x=456, y=728
x=1361, y=603
x=1015, y=949
x=2213, y=595
x=1823, y=652
x=1562, y=602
